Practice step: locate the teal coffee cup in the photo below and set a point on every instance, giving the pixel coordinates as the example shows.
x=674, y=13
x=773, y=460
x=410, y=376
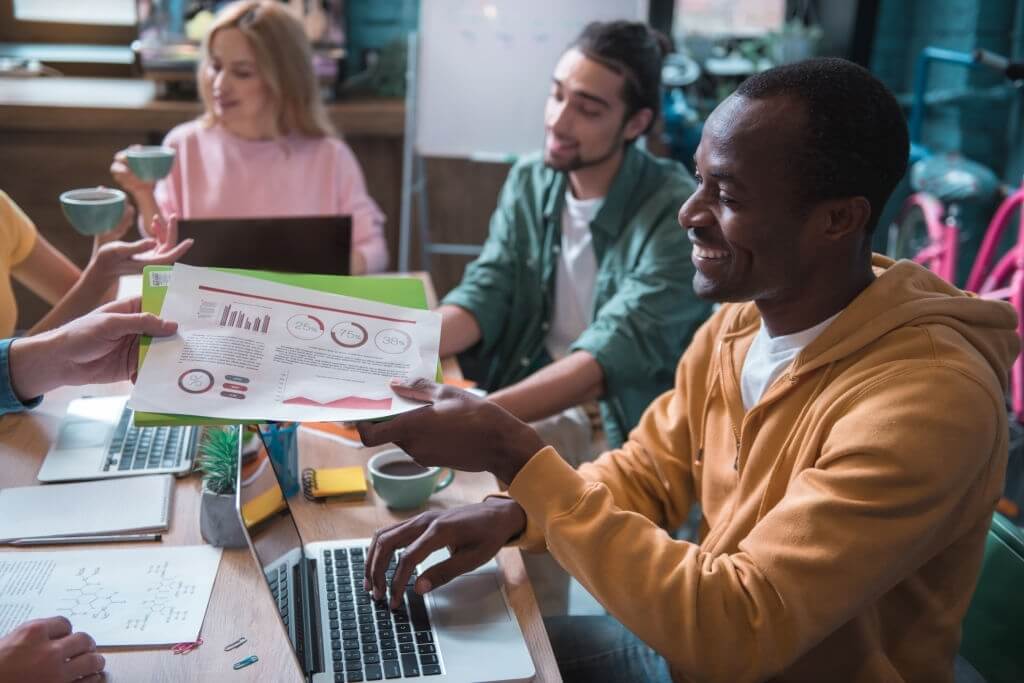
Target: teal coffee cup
x=150, y=163
x=402, y=483
x=93, y=210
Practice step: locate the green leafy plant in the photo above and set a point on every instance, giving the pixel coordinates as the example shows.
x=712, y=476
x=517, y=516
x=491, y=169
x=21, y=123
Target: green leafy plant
x=218, y=459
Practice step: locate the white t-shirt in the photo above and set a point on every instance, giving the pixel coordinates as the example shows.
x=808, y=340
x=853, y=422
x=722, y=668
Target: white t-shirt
x=769, y=356
x=575, y=277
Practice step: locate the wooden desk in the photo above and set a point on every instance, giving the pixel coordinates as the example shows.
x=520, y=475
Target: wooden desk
x=240, y=603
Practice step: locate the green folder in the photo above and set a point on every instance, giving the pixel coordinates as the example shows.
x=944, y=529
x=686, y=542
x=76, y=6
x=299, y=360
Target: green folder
x=398, y=291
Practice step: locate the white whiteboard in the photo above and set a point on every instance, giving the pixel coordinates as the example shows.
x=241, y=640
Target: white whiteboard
x=484, y=69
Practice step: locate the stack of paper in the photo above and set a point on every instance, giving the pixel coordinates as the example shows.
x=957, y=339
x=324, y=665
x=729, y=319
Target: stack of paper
x=124, y=505
x=257, y=346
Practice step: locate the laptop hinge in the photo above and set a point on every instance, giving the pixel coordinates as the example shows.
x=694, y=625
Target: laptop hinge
x=311, y=616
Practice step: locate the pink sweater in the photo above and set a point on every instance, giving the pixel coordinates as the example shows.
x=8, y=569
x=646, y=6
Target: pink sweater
x=219, y=175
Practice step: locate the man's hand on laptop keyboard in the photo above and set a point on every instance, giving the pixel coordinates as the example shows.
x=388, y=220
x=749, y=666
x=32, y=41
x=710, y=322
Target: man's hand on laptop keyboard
x=473, y=534
x=489, y=438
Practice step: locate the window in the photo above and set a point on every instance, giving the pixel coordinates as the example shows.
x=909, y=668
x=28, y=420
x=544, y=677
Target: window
x=728, y=17
x=103, y=12
x=82, y=22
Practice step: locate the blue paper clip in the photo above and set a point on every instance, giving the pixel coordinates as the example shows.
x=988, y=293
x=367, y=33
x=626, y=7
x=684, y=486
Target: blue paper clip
x=248, y=661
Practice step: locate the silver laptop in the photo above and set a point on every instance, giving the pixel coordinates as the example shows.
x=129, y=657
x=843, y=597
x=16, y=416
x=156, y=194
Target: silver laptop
x=96, y=440
x=463, y=631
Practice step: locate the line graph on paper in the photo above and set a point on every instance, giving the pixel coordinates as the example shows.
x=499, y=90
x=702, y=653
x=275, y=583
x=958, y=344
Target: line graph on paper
x=322, y=390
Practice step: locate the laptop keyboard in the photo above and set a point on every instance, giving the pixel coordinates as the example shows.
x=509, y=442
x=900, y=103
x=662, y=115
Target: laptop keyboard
x=144, y=448
x=370, y=641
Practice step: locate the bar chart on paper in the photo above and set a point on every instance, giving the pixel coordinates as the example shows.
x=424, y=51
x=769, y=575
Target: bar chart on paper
x=237, y=315
x=239, y=318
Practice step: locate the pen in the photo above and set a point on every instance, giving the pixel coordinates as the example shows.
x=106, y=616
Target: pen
x=85, y=539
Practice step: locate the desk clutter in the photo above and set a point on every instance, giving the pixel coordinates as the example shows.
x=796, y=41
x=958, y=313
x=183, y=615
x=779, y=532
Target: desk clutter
x=120, y=596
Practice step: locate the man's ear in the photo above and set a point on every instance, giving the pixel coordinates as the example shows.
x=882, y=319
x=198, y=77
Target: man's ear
x=637, y=123
x=845, y=217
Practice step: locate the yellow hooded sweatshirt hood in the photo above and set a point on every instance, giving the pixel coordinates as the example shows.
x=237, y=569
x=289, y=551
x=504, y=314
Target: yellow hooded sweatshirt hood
x=844, y=515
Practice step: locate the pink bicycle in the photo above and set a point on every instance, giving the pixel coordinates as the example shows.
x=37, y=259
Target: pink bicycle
x=1005, y=280
x=927, y=228
x=923, y=232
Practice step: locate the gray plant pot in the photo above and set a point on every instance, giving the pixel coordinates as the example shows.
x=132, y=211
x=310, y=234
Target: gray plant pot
x=218, y=520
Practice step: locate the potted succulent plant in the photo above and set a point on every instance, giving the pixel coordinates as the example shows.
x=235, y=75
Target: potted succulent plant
x=218, y=460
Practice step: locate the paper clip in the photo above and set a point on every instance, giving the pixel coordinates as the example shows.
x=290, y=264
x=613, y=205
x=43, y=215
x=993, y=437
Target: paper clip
x=185, y=648
x=248, y=661
x=237, y=644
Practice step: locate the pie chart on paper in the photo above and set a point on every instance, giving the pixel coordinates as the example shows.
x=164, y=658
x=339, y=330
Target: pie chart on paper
x=304, y=326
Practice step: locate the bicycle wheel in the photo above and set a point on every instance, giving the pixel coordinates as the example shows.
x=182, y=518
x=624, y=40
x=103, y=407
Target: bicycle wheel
x=919, y=233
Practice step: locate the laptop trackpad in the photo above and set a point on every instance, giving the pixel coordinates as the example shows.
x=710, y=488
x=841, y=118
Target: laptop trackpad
x=83, y=434
x=470, y=600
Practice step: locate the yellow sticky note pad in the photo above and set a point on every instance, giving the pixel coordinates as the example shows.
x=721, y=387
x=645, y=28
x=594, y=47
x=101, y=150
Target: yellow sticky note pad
x=348, y=483
x=262, y=506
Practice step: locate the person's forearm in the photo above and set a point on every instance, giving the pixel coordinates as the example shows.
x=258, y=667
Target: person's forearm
x=87, y=294
x=46, y=272
x=34, y=366
x=575, y=379
x=459, y=330
x=147, y=206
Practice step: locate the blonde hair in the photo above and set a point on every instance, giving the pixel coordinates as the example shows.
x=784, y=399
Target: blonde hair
x=284, y=60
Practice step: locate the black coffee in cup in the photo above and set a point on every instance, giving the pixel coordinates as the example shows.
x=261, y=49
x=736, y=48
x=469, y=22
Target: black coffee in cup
x=401, y=468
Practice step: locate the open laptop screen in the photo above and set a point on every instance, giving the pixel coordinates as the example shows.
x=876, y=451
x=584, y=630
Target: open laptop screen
x=266, y=515
x=294, y=244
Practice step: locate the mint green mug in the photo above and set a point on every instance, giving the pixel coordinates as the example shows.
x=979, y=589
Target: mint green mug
x=93, y=210
x=401, y=482
x=151, y=162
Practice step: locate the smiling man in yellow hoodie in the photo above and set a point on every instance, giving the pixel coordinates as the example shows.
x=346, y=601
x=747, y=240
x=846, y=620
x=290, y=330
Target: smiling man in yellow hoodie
x=842, y=426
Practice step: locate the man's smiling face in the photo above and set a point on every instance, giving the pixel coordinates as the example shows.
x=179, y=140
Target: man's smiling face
x=747, y=220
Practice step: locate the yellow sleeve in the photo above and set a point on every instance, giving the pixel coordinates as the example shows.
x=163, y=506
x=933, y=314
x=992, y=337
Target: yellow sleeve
x=17, y=232
x=650, y=475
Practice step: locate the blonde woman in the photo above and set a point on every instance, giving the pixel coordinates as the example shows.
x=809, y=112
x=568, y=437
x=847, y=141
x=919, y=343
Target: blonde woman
x=264, y=145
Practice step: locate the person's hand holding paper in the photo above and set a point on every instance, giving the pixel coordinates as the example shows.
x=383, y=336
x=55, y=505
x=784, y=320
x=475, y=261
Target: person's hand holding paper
x=457, y=430
x=97, y=348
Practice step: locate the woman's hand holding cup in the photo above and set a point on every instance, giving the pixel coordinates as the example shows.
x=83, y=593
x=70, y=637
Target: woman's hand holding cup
x=126, y=178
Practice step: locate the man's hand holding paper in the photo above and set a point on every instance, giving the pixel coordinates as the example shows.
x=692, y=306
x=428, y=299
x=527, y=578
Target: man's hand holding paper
x=252, y=349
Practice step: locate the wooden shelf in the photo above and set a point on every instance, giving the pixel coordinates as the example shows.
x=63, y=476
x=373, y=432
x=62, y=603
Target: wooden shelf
x=95, y=104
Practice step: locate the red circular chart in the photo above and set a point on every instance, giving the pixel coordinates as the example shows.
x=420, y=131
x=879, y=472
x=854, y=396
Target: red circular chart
x=195, y=381
x=348, y=334
x=304, y=326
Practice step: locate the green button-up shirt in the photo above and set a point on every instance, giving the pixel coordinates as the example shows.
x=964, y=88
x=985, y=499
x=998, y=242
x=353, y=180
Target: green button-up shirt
x=644, y=310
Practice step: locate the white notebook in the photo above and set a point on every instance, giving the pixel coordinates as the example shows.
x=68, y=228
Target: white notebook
x=88, y=508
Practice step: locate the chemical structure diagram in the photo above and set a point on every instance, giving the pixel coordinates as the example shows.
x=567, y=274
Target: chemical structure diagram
x=160, y=601
x=91, y=598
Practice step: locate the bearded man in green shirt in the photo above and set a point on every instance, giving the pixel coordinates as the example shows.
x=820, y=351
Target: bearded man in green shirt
x=582, y=291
